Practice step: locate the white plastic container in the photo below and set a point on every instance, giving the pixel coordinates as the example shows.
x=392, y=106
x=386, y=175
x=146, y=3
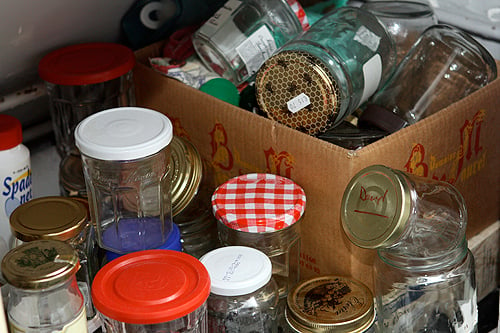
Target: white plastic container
x=15, y=172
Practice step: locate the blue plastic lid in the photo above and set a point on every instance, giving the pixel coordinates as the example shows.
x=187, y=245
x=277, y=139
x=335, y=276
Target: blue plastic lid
x=173, y=243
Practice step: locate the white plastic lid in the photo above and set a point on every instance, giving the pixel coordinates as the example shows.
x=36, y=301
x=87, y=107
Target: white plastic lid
x=123, y=133
x=237, y=270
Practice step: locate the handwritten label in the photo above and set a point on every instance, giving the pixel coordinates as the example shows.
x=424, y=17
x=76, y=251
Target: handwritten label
x=298, y=103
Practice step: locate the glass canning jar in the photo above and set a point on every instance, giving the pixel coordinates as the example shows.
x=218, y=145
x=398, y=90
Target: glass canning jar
x=243, y=297
x=403, y=213
x=152, y=291
x=323, y=75
x=43, y=293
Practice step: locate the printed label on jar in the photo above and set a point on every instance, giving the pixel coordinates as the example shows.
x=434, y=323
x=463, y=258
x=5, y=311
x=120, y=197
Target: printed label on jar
x=372, y=74
x=78, y=325
x=219, y=18
x=256, y=49
x=298, y=103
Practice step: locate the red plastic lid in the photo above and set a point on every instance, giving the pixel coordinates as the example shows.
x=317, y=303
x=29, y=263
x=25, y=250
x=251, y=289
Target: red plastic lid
x=258, y=202
x=11, y=132
x=150, y=287
x=87, y=63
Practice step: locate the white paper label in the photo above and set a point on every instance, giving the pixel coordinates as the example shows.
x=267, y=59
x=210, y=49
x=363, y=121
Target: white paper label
x=210, y=27
x=367, y=38
x=372, y=74
x=256, y=49
x=78, y=325
x=298, y=103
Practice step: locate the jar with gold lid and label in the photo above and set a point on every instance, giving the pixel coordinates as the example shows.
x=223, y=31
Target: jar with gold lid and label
x=330, y=304
x=64, y=219
x=43, y=293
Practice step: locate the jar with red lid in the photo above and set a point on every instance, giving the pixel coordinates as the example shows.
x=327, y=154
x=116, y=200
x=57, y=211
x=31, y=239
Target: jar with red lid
x=153, y=291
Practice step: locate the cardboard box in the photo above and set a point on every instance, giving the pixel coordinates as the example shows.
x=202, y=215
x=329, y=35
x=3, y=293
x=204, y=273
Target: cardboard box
x=459, y=144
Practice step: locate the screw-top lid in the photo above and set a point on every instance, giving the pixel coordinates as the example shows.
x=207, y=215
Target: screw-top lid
x=53, y=217
x=223, y=89
x=237, y=270
x=123, y=133
x=187, y=171
x=11, y=132
x=377, y=116
x=40, y=264
x=330, y=304
x=258, y=202
x=296, y=89
x=375, y=207
x=87, y=63
x=150, y=287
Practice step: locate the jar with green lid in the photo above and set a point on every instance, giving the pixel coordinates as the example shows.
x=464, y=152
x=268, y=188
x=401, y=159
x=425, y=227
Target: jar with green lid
x=64, y=219
x=330, y=304
x=43, y=293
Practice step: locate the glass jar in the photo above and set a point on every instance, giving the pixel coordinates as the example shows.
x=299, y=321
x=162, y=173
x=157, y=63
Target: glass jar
x=321, y=76
x=63, y=219
x=243, y=297
x=153, y=291
x=126, y=155
x=43, y=293
x=330, y=304
x=445, y=64
x=241, y=35
x=426, y=294
x=403, y=213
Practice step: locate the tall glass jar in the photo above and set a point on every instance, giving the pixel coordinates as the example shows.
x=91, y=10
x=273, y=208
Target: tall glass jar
x=243, y=296
x=321, y=76
x=43, y=293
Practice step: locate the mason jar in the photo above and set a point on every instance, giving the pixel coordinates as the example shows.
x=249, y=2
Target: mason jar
x=243, y=295
x=43, y=293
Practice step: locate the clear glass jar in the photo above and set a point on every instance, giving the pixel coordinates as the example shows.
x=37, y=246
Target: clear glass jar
x=426, y=294
x=330, y=304
x=63, y=219
x=126, y=161
x=241, y=35
x=403, y=213
x=243, y=297
x=153, y=291
x=321, y=76
x=43, y=293
x=445, y=64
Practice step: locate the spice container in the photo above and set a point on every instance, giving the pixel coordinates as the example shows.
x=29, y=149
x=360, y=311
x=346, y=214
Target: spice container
x=126, y=155
x=43, y=293
x=321, y=76
x=445, y=65
x=241, y=35
x=330, y=304
x=243, y=296
x=63, y=219
x=15, y=172
x=153, y=291
x=263, y=211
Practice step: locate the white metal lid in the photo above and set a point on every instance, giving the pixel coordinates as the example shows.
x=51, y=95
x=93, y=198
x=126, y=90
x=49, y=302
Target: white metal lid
x=123, y=133
x=237, y=270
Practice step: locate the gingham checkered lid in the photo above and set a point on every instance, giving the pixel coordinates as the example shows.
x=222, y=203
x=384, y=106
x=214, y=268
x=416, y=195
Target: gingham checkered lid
x=258, y=202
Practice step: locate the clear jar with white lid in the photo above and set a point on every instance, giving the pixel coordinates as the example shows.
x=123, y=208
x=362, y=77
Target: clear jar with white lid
x=243, y=295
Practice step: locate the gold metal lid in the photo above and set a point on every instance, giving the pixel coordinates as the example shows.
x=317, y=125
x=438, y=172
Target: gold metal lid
x=40, y=264
x=52, y=217
x=296, y=89
x=187, y=173
x=330, y=304
x=375, y=207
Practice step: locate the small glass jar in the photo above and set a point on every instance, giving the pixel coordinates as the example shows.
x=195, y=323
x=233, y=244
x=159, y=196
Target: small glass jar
x=403, y=213
x=126, y=156
x=445, y=64
x=243, y=297
x=330, y=304
x=43, y=293
x=241, y=35
x=263, y=211
x=321, y=76
x=63, y=219
x=153, y=291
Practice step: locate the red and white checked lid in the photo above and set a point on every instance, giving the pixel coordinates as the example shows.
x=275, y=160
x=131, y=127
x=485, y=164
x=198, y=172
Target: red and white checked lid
x=258, y=202
x=300, y=13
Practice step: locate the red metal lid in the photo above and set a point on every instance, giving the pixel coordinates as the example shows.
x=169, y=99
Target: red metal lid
x=11, y=133
x=87, y=63
x=150, y=287
x=258, y=202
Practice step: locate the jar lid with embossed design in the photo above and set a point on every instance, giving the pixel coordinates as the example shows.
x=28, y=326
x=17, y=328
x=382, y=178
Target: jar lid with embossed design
x=330, y=304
